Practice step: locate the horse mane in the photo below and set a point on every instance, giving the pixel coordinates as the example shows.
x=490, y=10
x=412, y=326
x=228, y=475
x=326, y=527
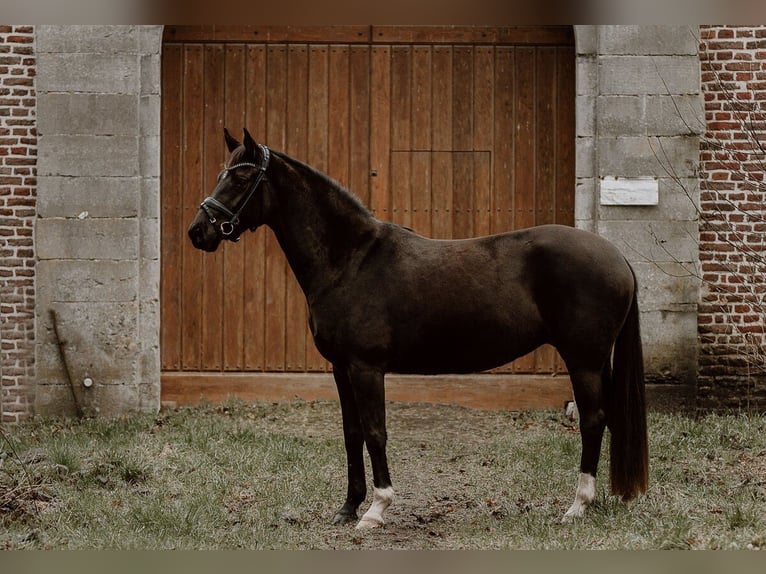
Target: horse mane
x=321, y=181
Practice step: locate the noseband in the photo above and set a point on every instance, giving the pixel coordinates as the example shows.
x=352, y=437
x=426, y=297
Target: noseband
x=211, y=203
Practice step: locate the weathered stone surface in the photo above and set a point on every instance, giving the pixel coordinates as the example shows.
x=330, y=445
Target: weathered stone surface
x=88, y=196
x=87, y=238
x=86, y=280
x=97, y=233
x=88, y=155
x=89, y=114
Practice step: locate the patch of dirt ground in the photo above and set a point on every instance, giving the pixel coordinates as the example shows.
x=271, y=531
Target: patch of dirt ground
x=434, y=452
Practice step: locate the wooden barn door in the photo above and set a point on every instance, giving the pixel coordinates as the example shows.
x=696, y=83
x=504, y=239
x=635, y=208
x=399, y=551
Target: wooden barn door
x=455, y=132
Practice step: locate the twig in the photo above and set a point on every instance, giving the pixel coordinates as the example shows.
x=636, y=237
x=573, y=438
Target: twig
x=60, y=343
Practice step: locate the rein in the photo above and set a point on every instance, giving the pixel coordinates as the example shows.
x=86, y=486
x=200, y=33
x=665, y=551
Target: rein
x=209, y=203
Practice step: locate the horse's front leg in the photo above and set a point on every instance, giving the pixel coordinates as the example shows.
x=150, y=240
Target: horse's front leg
x=354, y=441
x=369, y=392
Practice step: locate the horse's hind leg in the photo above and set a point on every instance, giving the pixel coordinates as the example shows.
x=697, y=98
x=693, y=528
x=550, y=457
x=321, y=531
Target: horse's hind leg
x=588, y=388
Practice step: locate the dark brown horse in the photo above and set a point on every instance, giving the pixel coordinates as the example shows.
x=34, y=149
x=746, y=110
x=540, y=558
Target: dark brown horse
x=382, y=299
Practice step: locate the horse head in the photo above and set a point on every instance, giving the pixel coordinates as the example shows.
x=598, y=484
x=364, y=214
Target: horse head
x=238, y=200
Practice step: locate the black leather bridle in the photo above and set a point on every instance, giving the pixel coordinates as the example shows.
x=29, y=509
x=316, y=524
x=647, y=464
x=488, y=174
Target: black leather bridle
x=210, y=203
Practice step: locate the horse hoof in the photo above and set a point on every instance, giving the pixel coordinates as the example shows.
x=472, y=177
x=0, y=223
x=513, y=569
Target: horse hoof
x=574, y=513
x=368, y=523
x=341, y=519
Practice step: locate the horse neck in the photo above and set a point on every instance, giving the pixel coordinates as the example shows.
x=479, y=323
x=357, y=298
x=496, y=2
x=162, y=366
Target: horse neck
x=318, y=224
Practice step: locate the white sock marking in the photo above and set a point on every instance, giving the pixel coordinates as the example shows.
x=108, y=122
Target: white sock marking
x=585, y=495
x=381, y=499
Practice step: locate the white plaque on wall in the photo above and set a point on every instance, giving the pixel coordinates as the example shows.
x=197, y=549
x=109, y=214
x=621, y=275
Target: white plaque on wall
x=629, y=191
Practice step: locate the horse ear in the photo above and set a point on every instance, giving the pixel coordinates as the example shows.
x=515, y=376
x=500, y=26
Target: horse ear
x=231, y=143
x=249, y=142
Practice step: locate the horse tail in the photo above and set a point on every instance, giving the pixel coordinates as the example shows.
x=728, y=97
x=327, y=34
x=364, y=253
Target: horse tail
x=626, y=410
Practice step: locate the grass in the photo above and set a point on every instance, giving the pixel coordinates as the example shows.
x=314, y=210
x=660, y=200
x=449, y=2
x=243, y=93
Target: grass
x=271, y=476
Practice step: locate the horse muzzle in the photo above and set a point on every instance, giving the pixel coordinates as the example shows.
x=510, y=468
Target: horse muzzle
x=203, y=235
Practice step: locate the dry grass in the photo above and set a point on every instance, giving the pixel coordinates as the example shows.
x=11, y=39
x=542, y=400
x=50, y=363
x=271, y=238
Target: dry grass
x=271, y=476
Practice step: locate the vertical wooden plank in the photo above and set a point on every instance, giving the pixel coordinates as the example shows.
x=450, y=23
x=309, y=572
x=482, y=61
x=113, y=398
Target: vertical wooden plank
x=483, y=100
x=565, y=135
x=524, y=158
x=421, y=139
x=254, y=244
x=441, y=130
x=212, y=283
x=545, y=136
x=359, y=129
x=482, y=183
x=462, y=98
x=318, y=107
x=338, y=102
x=192, y=187
x=296, y=317
x=503, y=184
x=234, y=261
x=317, y=153
x=401, y=99
x=172, y=235
x=276, y=265
x=483, y=137
x=462, y=194
x=524, y=137
x=380, y=131
x=401, y=188
x=441, y=194
x=462, y=141
x=401, y=135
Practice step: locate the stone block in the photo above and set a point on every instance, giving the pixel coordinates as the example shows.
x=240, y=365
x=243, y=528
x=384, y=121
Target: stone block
x=100, y=341
x=149, y=156
x=150, y=197
x=640, y=156
x=586, y=39
x=87, y=239
x=88, y=155
x=88, y=196
x=585, y=149
x=91, y=114
x=115, y=73
x=670, y=346
x=653, y=241
x=149, y=238
x=674, y=115
x=643, y=75
x=585, y=116
x=667, y=286
x=150, y=110
x=88, y=38
x=86, y=280
x=621, y=116
x=585, y=199
x=586, y=78
x=643, y=40
x=151, y=80
x=54, y=400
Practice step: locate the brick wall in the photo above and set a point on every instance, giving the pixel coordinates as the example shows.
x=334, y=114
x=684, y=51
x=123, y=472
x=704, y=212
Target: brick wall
x=733, y=221
x=18, y=160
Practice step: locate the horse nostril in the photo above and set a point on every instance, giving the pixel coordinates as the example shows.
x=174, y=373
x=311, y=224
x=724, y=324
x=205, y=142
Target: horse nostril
x=196, y=235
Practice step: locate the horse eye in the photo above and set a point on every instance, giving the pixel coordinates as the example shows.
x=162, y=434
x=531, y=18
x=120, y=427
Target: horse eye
x=222, y=175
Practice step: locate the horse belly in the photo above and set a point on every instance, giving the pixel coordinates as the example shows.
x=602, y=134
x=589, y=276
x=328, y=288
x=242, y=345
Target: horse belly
x=463, y=347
